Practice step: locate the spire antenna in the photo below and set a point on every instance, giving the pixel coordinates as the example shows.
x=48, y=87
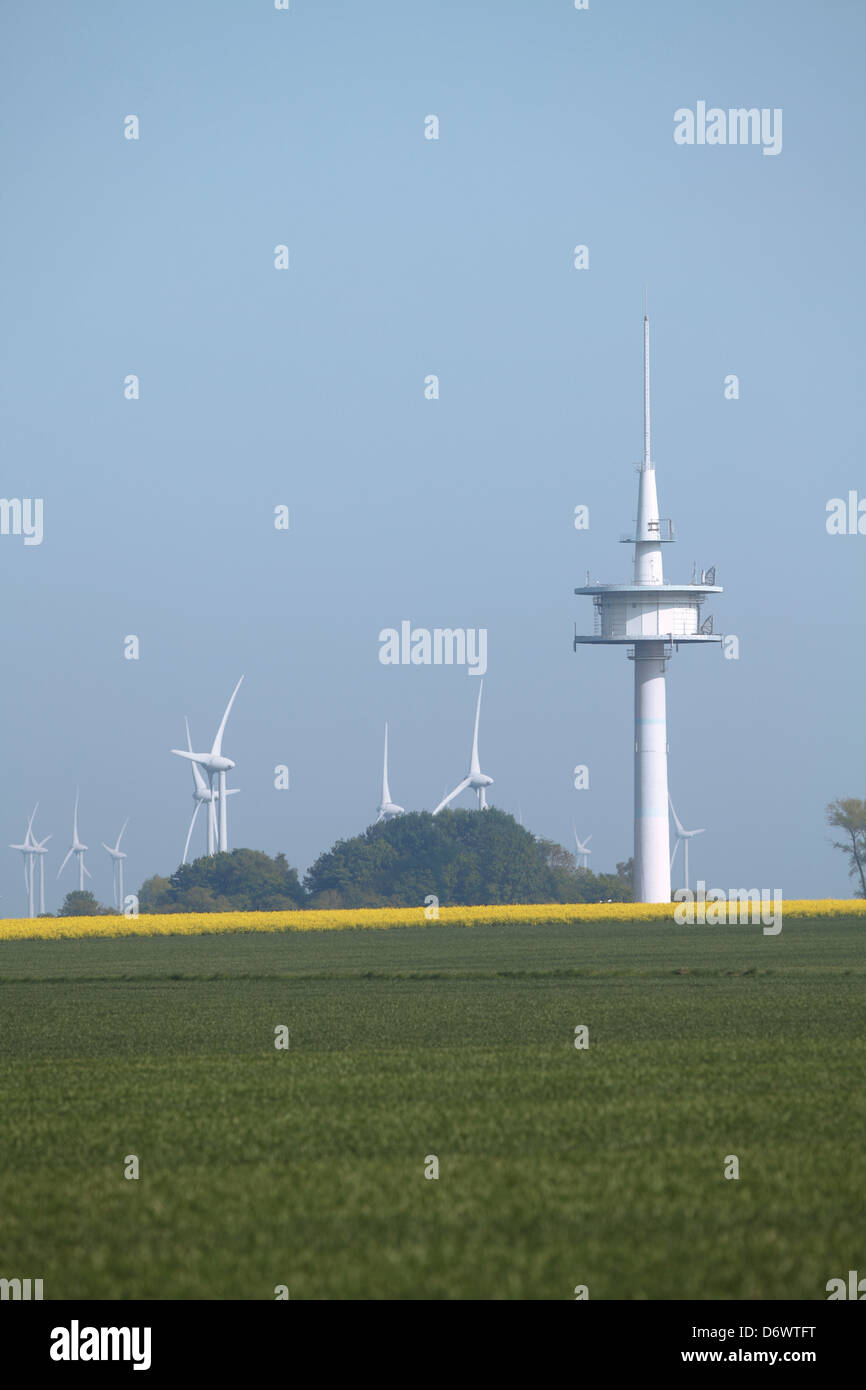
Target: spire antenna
x=647, y=458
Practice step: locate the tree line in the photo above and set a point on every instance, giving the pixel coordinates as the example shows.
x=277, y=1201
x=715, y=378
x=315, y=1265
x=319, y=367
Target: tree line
x=461, y=857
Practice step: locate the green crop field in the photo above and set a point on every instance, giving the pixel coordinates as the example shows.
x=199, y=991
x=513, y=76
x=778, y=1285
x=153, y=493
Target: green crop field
x=558, y=1167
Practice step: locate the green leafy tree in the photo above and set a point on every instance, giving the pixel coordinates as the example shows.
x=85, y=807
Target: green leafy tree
x=625, y=872
x=462, y=857
x=154, y=895
x=849, y=815
x=82, y=904
x=245, y=880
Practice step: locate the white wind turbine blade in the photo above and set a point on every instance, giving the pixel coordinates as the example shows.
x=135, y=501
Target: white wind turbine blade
x=120, y=836
x=386, y=790
x=87, y=872
x=475, y=766
x=218, y=741
x=30, y=824
x=198, y=806
x=461, y=787
x=676, y=818
x=69, y=854
x=676, y=847
x=197, y=775
x=75, y=821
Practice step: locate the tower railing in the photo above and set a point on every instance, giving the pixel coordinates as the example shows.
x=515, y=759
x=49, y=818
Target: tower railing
x=661, y=529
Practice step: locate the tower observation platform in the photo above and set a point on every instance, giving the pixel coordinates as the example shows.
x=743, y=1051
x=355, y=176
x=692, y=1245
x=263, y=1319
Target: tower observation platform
x=650, y=617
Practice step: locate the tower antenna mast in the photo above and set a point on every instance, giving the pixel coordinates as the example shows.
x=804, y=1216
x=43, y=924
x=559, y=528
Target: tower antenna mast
x=647, y=456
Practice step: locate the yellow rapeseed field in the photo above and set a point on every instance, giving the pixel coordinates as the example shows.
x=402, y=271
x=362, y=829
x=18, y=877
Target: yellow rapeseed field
x=530, y=915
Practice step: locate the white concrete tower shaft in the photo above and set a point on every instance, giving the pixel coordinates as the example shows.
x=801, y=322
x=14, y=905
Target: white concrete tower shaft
x=652, y=873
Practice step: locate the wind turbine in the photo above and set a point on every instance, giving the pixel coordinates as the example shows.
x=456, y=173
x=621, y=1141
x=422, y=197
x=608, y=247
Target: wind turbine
x=117, y=857
x=28, y=850
x=684, y=836
x=216, y=765
x=76, y=848
x=202, y=796
x=583, y=850
x=39, y=848
x=475, y=778
x=388, y=809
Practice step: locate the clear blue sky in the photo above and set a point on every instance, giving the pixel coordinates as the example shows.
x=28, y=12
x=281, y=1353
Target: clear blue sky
x=409, y=257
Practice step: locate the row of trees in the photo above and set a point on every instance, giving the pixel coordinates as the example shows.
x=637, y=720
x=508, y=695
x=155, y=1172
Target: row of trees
x=459, y=856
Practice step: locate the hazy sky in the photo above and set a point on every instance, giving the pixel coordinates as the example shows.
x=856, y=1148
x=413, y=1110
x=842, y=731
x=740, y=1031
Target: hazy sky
x=305, y=387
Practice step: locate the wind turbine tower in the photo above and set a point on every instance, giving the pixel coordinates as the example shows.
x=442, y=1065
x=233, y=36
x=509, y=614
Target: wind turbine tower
x=683, y=836
x=650, y=618
x=78, y=849
x=117, y=857
x=475, y=779
x=388, y=809
x=38, y=847
x=29, y=848
x=216, y=765
x=202, y=795
x=583, y=850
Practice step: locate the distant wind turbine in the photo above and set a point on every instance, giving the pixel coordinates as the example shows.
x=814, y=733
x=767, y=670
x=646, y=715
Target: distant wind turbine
x=216, y=765
x=684, y=836
x=475, y=778
x=117, y=857
x=388, y=809
x=202, y=796
x=583, y=850
x=78, y=849
x=39, y=848
x=29, y=849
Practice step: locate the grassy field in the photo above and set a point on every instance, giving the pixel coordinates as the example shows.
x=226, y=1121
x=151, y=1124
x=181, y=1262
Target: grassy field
x=558, y=1167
